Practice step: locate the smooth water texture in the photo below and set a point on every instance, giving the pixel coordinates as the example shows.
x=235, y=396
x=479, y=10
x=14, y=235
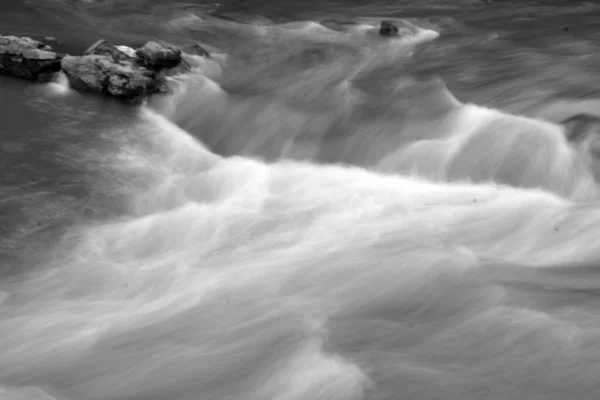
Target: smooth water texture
x=315, y=213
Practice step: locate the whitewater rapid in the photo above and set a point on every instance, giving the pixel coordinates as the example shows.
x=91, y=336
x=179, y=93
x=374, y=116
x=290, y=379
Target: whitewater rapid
x=454, y=259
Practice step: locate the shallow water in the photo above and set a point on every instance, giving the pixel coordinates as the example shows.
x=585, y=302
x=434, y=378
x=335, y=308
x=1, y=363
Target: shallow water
x=316, y=212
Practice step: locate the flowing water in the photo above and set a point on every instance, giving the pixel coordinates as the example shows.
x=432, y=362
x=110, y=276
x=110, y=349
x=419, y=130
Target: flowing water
x=316, y=212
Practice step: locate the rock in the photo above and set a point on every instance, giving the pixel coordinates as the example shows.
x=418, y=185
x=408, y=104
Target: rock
x=123, y=72
x=388, y=29
x=27, y=58
x=189, y=57
x=158, y=56
x=103, y=48
x=123, y=79
x=119, y=71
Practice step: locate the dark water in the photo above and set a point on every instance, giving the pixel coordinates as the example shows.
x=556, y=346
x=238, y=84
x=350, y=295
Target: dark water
x=316, y=212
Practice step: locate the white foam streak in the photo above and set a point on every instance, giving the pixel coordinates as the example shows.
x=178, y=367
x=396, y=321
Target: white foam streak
x=259, y=264
x=487, y=145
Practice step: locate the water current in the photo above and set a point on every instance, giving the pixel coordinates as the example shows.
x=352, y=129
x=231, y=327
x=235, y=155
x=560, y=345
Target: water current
x=317, y=212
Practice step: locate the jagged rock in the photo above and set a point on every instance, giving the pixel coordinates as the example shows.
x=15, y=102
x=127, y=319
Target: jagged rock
x=159, y=56
x=123, y=72
x=27, y=58
x=122, y=79
x=388, y=29
x=119, y=71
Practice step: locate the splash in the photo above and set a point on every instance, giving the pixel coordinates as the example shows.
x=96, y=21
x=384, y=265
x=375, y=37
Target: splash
x=59, y=85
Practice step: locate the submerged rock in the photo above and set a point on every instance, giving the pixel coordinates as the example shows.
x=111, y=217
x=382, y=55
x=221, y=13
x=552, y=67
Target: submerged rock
x=159, y=56
x=388, y=29
x=27, y=58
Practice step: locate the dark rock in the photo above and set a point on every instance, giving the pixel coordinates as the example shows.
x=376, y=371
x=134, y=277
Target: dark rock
x=27, y=58
x=158, y=56
x=388, y=29
x=124, y=79
x=187, y=60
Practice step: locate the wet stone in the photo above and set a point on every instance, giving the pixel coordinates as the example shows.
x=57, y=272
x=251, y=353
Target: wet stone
x=388, y=29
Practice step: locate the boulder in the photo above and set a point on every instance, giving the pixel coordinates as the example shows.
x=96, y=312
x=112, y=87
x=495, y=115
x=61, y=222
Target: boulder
x=388, y=29
x=189, y=54
x=159, y=56
x=119, y=71
x=123, y=72
x=122, y=79
x=27, y=58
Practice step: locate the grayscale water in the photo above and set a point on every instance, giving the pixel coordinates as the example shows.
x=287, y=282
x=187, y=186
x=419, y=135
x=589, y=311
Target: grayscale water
x=315, y=213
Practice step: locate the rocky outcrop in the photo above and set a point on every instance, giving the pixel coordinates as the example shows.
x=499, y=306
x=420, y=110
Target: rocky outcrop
x=27, y=58
x=123, y=80
x=119, y=71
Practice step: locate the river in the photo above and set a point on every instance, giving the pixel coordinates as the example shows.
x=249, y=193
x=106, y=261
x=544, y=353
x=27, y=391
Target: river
x=317, y=212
